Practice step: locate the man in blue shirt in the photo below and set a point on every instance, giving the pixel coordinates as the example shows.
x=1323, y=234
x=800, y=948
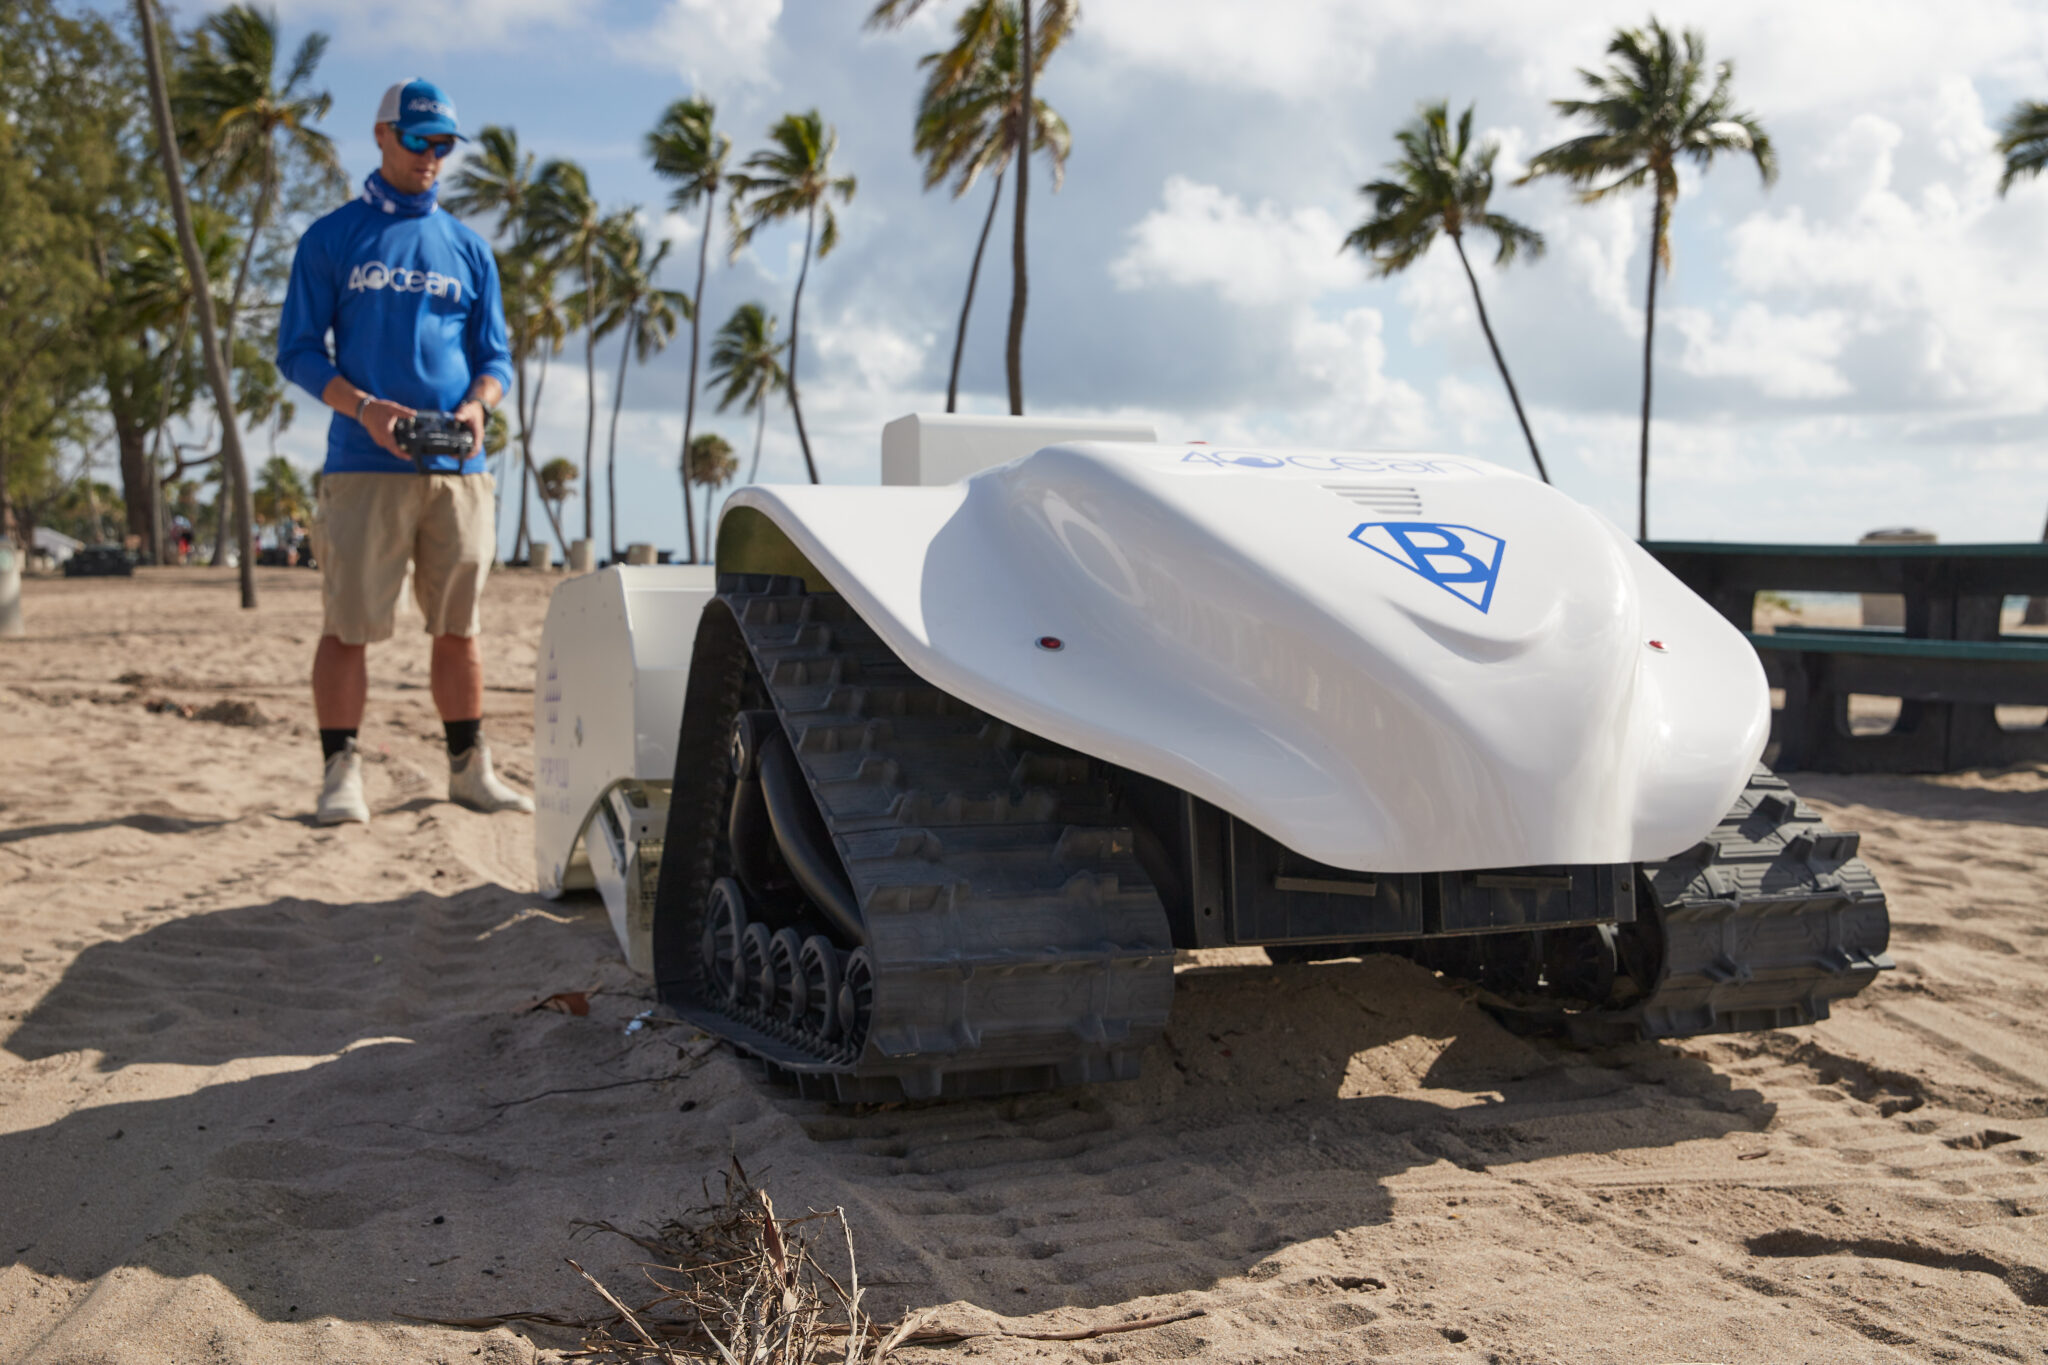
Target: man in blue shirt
x=411, y=297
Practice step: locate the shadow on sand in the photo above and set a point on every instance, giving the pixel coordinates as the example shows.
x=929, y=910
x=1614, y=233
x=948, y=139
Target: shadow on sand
x=331, y=1109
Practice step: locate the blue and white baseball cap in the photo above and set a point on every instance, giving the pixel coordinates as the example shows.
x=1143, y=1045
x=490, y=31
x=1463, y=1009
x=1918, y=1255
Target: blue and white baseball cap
x=419, y=106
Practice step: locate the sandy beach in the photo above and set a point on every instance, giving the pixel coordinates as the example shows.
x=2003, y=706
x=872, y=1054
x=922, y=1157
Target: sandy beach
x=268, y=1091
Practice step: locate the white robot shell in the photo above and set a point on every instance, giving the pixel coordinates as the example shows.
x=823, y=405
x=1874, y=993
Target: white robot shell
x=1408, y=663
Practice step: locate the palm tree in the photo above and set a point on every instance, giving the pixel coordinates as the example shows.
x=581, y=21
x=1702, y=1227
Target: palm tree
x=647, y=315
x=535, y=321
x=2023, y=142
x=281, y=495
x=564, y=220
x=152, y=292
x=1051, y=25
x=967, y=123
x=557, y=480
x=496, y=178
x=231, y=108
x=233, y=468
x=793, y=177
x=711, y=466
x=1649, y=108
x=744, y=359
x=1441, y=184
x=688, y=150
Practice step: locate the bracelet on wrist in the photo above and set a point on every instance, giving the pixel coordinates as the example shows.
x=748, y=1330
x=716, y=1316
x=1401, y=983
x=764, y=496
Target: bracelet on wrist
x=362, y=403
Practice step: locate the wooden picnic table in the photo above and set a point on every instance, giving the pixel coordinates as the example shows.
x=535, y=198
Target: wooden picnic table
x=1951, y=665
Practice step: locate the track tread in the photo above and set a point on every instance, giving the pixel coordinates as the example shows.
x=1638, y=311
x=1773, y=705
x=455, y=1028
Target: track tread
x=1018, y=943
x=1763, y=923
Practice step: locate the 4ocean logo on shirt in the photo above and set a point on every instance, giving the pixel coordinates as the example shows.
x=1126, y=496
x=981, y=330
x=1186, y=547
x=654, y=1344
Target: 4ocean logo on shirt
x=377, y=275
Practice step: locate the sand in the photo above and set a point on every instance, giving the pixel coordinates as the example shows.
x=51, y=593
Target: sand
x=266, y=1089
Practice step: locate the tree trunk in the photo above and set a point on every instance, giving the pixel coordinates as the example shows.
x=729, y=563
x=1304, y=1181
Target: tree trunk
x=195, y=270
x=533, y=469
x=132, y=438
x=690, y=404
x=760, y=429
x=1649, y=334
x=795, y=312
x=611, y=454
x=1013, y=356
x=256, y=227
x=522, y=541
x=1494, y=346
x=973, y=273
x=590, y=385
x=173, y=357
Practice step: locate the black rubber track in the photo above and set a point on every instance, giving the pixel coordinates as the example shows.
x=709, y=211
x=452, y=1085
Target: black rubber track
x=1017, y=942
x=1758, y=926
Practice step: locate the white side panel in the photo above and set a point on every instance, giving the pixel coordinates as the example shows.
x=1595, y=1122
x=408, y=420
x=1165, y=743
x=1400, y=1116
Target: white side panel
x=608, y=700
x=926, y=449
x=1253, y=627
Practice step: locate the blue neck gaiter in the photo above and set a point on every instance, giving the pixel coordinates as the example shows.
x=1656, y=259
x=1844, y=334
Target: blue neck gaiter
x=379, y=191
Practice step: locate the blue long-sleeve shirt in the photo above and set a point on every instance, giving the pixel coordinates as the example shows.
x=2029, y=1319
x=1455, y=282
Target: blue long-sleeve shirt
x=414, y=306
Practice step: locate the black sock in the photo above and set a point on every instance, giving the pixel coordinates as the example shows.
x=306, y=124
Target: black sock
x=333, y=742
x=462, y=735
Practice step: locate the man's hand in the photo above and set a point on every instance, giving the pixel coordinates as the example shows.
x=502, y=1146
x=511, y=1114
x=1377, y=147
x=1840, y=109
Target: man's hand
x=472, y=413
x=378, y=417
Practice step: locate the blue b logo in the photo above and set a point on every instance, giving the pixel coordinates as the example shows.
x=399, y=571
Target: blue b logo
x=1458, y=559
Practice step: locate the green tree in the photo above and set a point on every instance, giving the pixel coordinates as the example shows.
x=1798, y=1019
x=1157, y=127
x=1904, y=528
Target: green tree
x=1658, y=102
x=234, y=469
x=232, y=109
x=496, y=180
x=70, y=172
x=712, y=465
x=967, y=123
x=793, y=178
x=281, y=493
x=746, y=360
x=1038, y=35
x=688, y=150
x=646, y=317
x=536, y=322
x=1441, y=184
x=557, y=480
x=565, y=222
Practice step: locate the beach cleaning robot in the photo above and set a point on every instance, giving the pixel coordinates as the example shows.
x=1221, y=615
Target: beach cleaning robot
x=918, y=791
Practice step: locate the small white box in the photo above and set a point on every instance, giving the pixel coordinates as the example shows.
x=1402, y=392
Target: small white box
x=930, y=448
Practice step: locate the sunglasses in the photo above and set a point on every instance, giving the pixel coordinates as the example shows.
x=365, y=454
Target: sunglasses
x=440, y=145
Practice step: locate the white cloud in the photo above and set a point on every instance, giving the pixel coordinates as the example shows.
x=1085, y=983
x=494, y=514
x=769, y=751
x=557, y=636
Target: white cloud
x=1200, y=235
x=1311, y=49
x=434, y=26
x=868, y=354
x=1784, y=355
x=726, y=40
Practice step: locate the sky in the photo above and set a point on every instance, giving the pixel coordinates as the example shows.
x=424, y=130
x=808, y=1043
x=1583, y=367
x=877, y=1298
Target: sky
x=1862, y=345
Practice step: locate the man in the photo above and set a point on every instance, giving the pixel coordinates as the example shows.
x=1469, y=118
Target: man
x=411, y=296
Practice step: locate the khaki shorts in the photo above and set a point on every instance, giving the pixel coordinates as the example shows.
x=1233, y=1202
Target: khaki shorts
x=371, y=529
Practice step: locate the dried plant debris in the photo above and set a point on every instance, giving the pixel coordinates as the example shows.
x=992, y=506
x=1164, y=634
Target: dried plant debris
x=736, y=1284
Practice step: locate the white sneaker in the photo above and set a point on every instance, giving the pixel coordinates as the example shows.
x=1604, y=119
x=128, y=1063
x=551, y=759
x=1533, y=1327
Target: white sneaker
x=472, y=783
x=341, y=790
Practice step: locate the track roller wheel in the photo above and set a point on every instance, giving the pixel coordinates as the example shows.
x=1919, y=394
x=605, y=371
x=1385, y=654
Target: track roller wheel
x=857, y=998
x=757, y=980
x=725, y=922
x=818, y=968
x=784, y=983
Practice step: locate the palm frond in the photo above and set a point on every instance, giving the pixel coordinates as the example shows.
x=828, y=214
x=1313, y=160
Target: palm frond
x=2023, y=142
